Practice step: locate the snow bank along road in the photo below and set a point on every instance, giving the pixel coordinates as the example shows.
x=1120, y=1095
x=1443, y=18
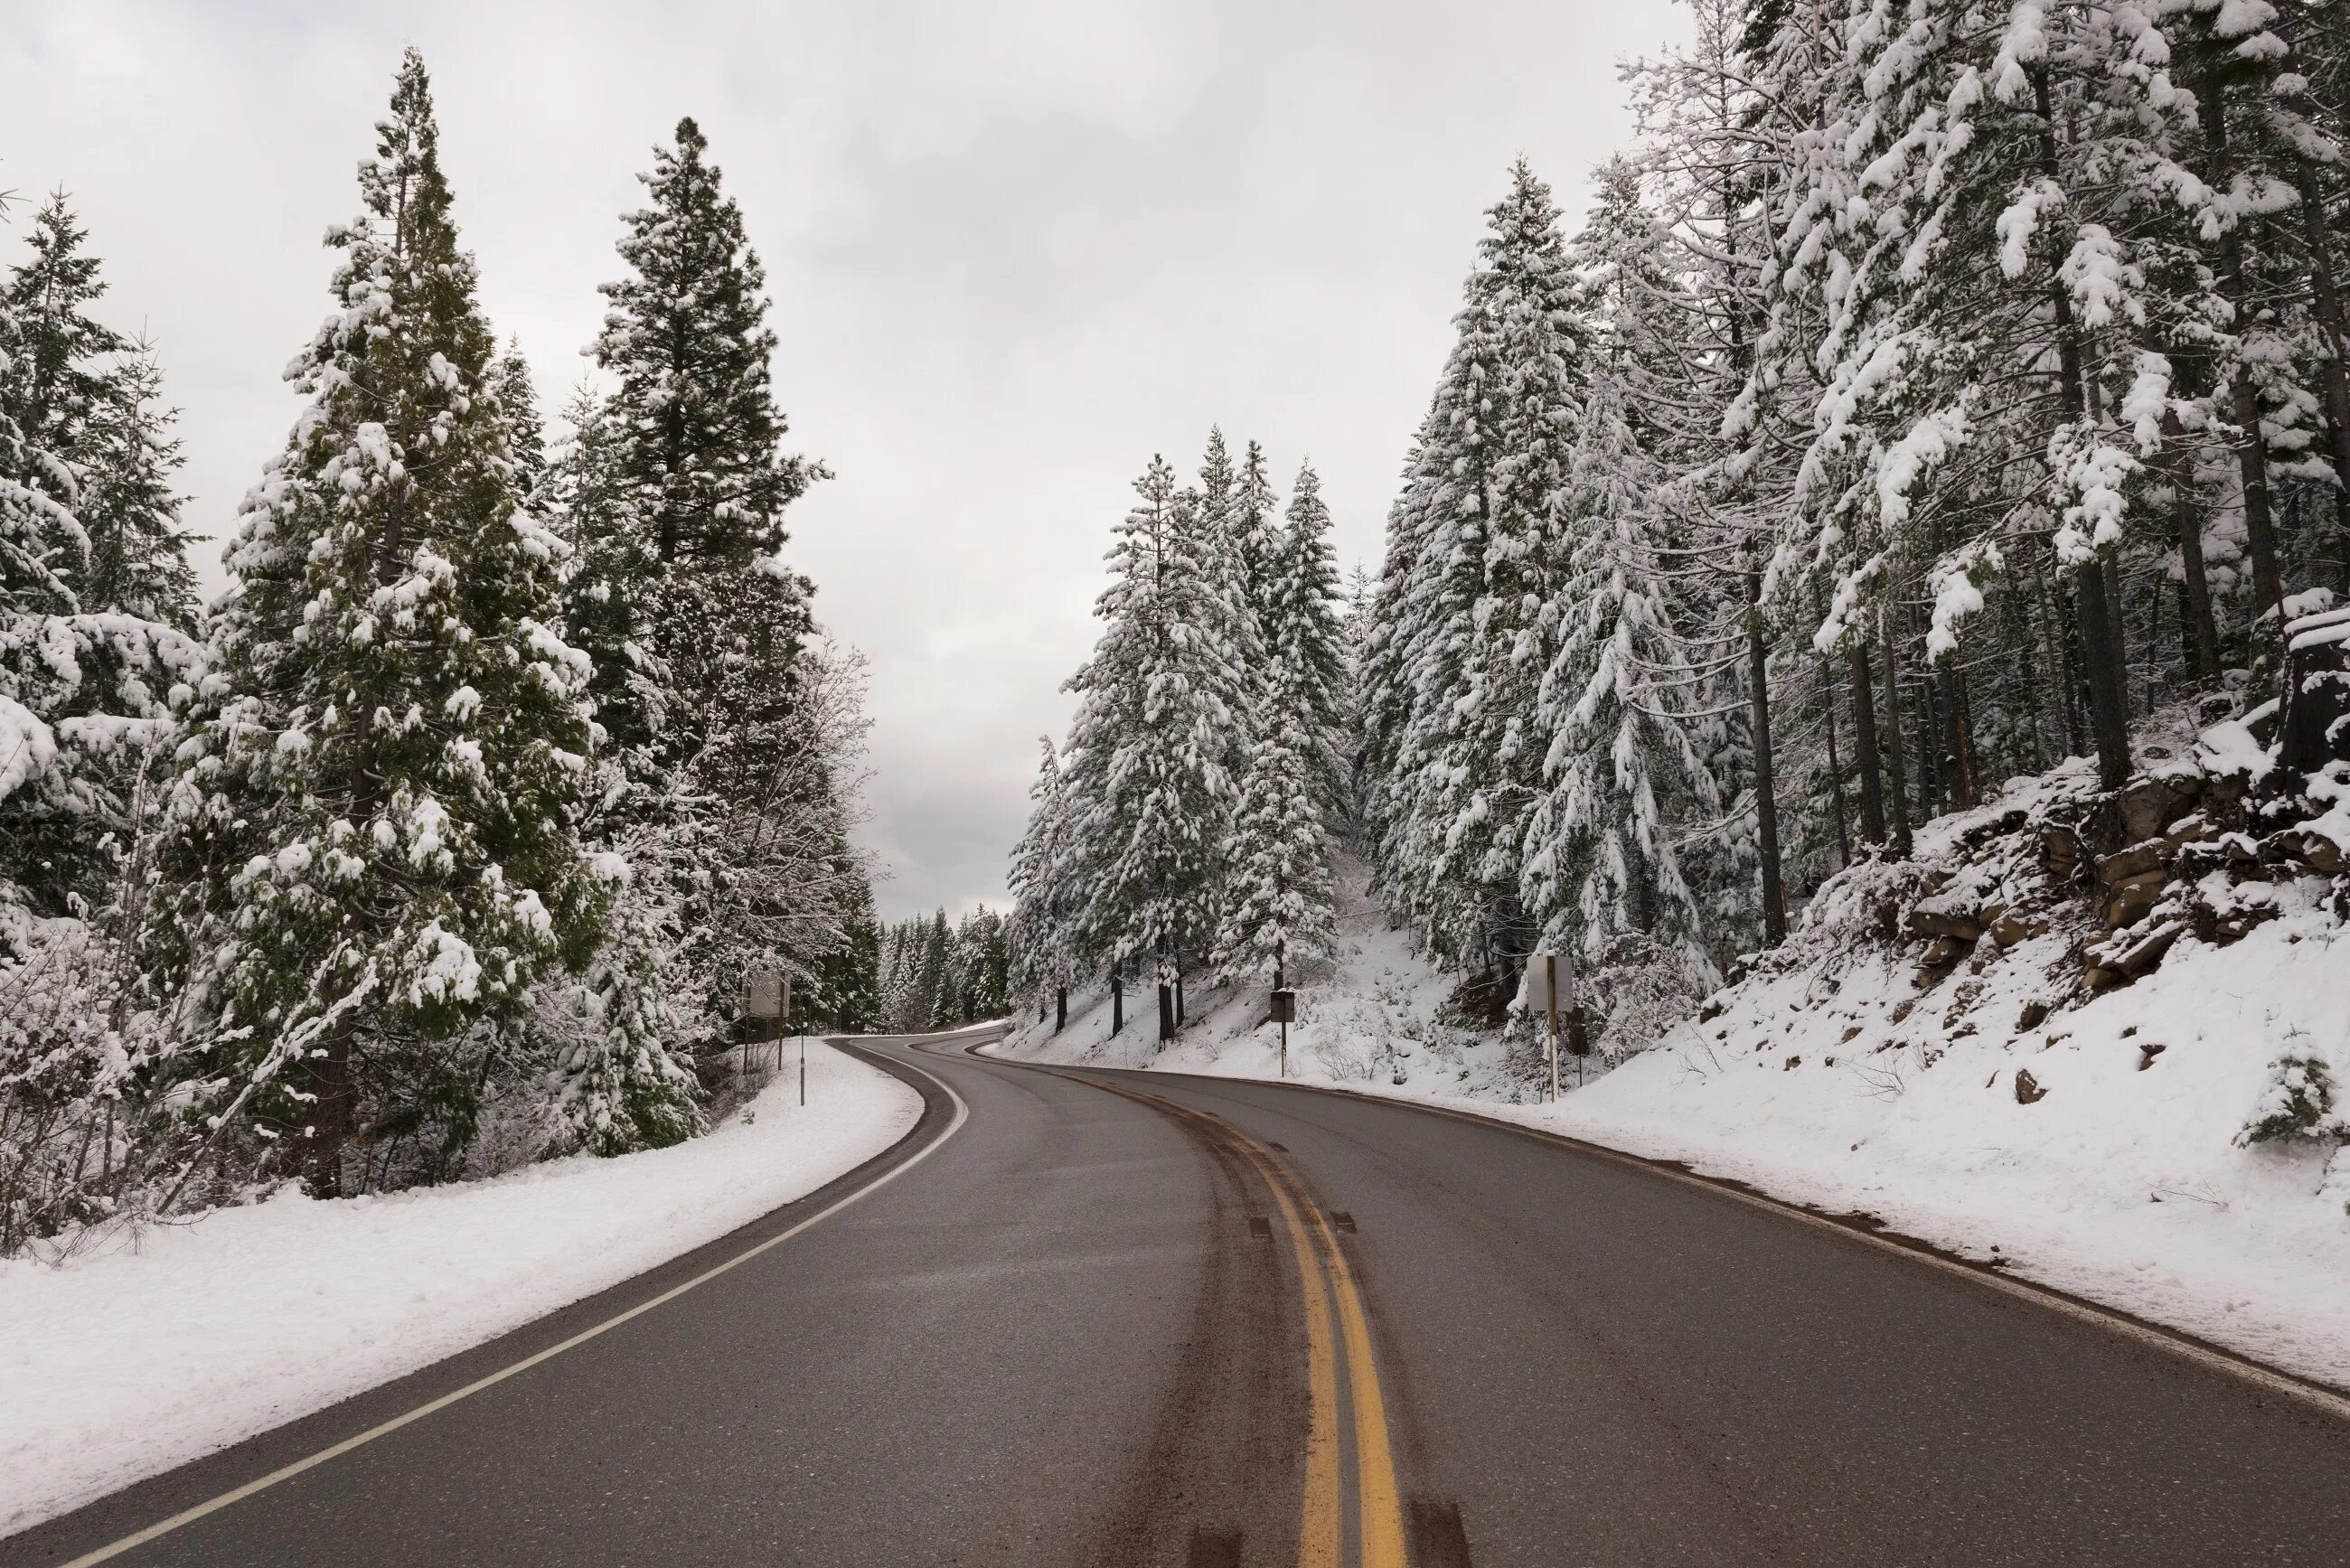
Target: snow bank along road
x=1121, y=1319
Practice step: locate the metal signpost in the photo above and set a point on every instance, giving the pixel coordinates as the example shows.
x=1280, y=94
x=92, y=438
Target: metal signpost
x=1285, y=1013
x=1549, y=985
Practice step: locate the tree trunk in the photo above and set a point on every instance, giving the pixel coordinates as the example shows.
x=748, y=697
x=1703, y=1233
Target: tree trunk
x=1766, y=804
x=2100, y=645
x=2195, y=583
x=1865, y=747
x=1933, y=797
x=1835, y=769
x=2108, y=714
x=328, y=1129
x=1166, y=1010
x=1960, y=771
x=1117, y=1001
x=2244, y=401
x=1898, y=768
x=1179, y=1018
x=1060, y=1008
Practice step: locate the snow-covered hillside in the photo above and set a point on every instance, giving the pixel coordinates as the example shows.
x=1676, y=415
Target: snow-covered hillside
x=125, y=1362
x=1977, y=1083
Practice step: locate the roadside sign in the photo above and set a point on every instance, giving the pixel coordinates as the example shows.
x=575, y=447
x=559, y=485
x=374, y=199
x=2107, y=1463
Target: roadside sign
x=1548, y=990
x=1284, y=1006
x=1534, y=988
x=767, y=993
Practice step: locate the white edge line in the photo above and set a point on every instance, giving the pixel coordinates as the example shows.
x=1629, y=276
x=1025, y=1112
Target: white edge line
x=2241, y=1369
x=261, y=1483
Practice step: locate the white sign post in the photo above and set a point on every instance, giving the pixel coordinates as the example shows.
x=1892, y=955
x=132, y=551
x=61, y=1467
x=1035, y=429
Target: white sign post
x=1549, y=986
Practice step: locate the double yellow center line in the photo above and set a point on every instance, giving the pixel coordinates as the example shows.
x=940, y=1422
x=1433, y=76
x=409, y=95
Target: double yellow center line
x=1327, y=1285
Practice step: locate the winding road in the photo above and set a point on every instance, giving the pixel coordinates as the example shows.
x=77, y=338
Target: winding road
x=1095, y=1318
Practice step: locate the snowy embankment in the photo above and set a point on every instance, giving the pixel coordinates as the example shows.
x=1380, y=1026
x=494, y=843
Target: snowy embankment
x=131, y=1359
x=1854, y=1080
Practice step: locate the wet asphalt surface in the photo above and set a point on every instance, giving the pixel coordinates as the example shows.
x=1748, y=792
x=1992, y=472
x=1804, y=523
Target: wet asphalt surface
x=1058, y=1340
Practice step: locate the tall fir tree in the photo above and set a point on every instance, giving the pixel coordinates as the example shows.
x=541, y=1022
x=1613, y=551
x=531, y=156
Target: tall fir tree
x=700, y=480
x=94, y=582
x=368, y=857
x=1476, y=599
x=1151, y=739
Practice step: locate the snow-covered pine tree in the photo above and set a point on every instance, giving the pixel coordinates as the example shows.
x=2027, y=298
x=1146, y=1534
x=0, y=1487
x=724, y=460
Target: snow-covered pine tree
x=1229, y=519
x=1474, y=607
x=367, y=855
x=82, y=674
x=734, y=747
x=137, y=550
x=517, y=397
x=1305, y=639
x=701, y=481
x=1277, y=902
x=852, y=976
x=57, y=387
x=1047, y=888
x=1622, y=779
x=1151, y=733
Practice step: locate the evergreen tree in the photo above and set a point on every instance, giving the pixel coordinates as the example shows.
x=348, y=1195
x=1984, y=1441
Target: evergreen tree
x=1476, y=593
x=368, y=853
x=138, y=551
x=58, y=388
x=1151, y=733
x=700, y=480
x=731, y=741
x=83, y=673
x=1306, y=643
x=517, y=398
x=1278, y=907
x=853, y=975
x=1044, y=878
x=1622, y=775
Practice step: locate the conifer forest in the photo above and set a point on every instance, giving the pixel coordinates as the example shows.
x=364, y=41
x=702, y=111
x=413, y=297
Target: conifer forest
x=1932, y=392
x=441, y=841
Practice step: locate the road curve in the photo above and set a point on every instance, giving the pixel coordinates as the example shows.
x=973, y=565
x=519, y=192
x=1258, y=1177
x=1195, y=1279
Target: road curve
x=1140, y=1319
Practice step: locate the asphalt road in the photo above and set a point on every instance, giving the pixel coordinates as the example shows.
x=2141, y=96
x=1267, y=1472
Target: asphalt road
x=1130, y=1319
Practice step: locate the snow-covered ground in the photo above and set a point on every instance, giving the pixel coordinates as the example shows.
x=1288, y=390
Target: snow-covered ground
x=125, y=1362
x=1841, y=1084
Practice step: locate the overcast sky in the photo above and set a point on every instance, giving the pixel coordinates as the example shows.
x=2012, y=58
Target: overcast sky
x=1014, y=250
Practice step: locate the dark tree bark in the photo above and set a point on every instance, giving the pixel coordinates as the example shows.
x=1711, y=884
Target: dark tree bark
x=1836, y=769
x=1897, y=767
x=1865, y=746
x=1932, y=797
x=1958, y=767
x=327, y=1076
x=1117, y=1000
x=1766, y=801
x=2195, y=583
x=1166, y=1010
x=1060, y=1008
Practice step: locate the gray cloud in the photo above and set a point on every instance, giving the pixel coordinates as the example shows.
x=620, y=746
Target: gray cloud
x=1013, y=249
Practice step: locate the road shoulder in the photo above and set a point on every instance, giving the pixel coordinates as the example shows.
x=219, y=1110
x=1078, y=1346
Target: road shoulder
x=75, y=1459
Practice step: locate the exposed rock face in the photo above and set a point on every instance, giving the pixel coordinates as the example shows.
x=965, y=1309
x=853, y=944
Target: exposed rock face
x=2193, y=846
x=2027, y=1087
x=2317, y=725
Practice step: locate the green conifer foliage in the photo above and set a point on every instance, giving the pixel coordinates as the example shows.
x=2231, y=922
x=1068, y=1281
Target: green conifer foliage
x=369, y=850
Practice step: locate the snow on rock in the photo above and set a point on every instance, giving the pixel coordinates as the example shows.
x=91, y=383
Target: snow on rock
x=1849, y=1077
x=142, y=1355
